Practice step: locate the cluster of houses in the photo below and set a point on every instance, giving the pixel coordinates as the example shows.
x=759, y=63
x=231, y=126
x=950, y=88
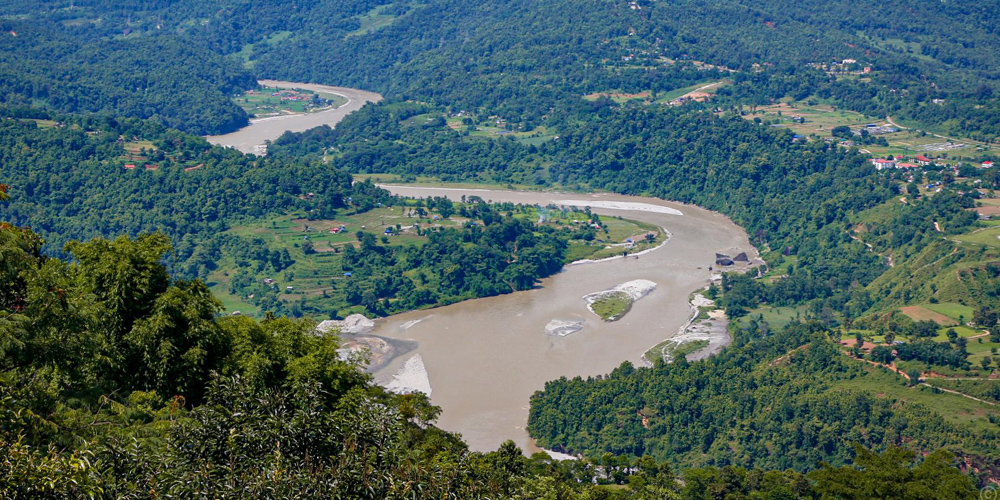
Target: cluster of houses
x=876, y=129
x=919, y=161
x=883, y=164
x=287, y=95
x=842, y=66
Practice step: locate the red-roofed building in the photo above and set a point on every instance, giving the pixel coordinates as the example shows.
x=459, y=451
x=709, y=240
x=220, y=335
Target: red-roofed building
x=987, y=164
x=129, y=166
x=907, y=165
x=923, y=161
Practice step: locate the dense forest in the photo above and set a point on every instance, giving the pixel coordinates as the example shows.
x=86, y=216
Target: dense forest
x=525, y=62
x=71, y=180
x=118, y=381
x=119, y=377
x=502, y=255
x=166, y=78
x=775, y=399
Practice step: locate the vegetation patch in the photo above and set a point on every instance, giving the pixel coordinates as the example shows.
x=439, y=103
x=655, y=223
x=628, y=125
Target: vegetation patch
x=670, y=349
x=269, y=101
x=611, y=306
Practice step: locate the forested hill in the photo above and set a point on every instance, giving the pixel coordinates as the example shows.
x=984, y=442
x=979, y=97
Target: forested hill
x=167, y=78
x=774, y=399
x=525, y=60
x=117, y=381
x=74, y=179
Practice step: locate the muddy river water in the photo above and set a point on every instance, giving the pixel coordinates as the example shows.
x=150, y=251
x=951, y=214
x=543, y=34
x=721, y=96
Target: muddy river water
x=484, y=358
x=481, y=360
x=261, y=130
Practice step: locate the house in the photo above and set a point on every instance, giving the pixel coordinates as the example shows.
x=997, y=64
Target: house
x=907, y=165
x=881, y=163
x=289, y=289
x=987, y=164
x=130, y=166
x=923, y=161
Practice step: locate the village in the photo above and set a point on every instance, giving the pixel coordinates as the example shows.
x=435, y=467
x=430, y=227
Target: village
x=268, y=101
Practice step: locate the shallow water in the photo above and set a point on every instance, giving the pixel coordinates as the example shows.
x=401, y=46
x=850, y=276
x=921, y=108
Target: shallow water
x=484, y=358
x=262, y=130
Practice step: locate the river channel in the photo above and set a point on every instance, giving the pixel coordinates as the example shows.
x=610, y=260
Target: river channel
x=248, y=139
x=482, y=359
x=485, y=357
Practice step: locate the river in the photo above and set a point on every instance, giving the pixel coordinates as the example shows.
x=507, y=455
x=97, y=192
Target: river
x=485, y=357
x=249, y=138
x=482, y=359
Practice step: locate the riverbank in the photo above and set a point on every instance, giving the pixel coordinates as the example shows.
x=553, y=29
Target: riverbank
x=485, y=357
x=705, y=334
x=254, y=137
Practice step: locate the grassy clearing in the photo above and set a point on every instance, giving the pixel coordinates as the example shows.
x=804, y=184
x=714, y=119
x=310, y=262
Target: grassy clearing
x=942, y=334
x=952, y=407
x=612, y=305
x=375, y=19
x=615, y=241
x=989, y=236
x=245, y=53
x=953, y=310
x=780, y=267
x=618, y=97
x=778, y=317
x=988, y=390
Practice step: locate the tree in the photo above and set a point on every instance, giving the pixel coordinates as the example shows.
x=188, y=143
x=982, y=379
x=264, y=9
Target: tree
x=893, y=474
x=842, y=131
x=952, y=335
